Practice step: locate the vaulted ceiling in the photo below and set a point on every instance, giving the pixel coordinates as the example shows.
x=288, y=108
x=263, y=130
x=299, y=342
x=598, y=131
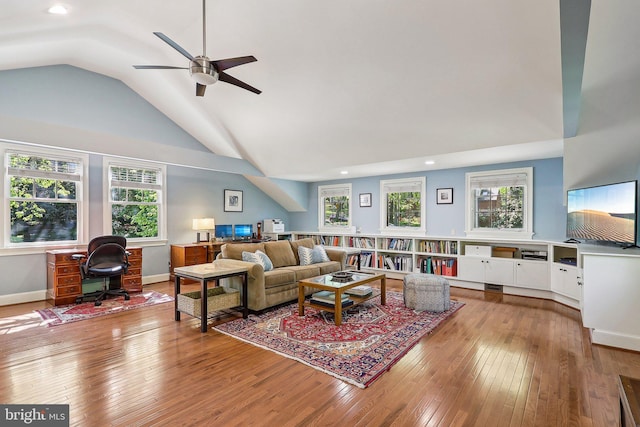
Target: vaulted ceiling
x=368, y=87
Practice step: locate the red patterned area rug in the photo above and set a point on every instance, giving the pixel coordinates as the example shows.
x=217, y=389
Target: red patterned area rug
x=62, y=314
x=371, y=339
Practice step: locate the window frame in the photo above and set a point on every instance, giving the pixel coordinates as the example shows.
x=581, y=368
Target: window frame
x=506, y=233
x=107, y=225
x=346, y=187
x=421, y=183
x=82, y=194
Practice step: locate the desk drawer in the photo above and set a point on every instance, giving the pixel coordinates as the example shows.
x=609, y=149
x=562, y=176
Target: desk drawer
x=62, y=269
x=73, y=279
x=63, y=291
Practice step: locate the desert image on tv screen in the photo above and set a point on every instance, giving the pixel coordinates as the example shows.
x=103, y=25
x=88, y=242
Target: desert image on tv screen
x=606, y=213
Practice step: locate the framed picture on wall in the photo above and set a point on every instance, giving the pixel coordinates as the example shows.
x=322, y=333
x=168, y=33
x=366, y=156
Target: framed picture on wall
x=444, y=196
x=365, y=200
x=233, y=200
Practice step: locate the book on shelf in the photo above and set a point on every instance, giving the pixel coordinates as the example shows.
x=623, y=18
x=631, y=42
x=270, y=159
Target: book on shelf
x=360, y=290
x=345, y=303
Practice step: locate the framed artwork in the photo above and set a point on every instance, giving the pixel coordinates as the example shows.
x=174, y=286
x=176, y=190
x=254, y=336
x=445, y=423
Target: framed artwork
x=233, y=200
x=444, y=196
x=365, y=200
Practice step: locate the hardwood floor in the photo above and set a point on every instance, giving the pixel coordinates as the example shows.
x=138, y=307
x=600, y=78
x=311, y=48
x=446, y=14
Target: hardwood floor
x=499, y=361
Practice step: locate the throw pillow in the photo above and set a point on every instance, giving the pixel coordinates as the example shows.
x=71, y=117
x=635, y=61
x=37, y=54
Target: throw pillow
x=268, y=265
x=312, y=256
x=259, y=258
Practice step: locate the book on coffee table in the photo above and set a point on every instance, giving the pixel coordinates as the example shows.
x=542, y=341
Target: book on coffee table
x=345, y=303
x=360, y=290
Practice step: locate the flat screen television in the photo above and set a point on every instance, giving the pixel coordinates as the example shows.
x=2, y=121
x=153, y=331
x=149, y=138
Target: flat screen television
x=243, y=231
x=606, y=213
x=224, y=231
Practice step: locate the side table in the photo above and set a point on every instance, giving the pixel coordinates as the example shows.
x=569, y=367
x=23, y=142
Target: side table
x=205, y=273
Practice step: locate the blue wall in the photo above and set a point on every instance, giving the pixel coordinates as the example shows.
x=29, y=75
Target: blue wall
x=549, y=212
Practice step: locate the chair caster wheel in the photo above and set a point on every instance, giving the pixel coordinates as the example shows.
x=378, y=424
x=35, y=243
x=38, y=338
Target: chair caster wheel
x=98, y=303
x=127, y=297
x=78, y=300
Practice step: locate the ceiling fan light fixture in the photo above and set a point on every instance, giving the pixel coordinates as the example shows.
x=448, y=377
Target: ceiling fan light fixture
x=202, y=71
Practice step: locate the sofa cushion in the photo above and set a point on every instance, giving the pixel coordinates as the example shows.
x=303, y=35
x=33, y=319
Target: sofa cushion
x=234, y=250
x=258, y=257
x=312, y=256
x=278, y=277
x=306, y=271
x=307, y=243
x=329, y=267
x=280, y=253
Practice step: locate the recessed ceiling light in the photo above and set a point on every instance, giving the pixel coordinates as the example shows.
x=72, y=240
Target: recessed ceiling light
x=344, y=172
x=58, y=9
x=429, y=162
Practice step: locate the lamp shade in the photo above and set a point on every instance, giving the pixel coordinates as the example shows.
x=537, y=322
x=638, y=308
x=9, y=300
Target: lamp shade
x=204, y=224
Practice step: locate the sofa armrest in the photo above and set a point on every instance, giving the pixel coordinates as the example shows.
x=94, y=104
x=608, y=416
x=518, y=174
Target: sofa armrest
x=255, y=281
x=337, y=255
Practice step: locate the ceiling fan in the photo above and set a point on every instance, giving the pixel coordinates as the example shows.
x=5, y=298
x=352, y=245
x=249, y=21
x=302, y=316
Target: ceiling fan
x=202, y=69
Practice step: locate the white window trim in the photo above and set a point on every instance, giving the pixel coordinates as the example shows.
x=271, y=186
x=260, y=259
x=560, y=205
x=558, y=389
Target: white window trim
x=107, y=228
x=82, y=196
x=336, y=228
x=527, y=231
x=410, y=231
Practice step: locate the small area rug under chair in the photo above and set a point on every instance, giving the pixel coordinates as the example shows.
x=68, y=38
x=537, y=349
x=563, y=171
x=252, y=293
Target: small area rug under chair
x=75, y=312
x=371, y=339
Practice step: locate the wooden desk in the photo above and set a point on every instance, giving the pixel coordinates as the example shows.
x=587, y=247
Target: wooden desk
x=64, y=282
x=629, y=389
x=206, y=273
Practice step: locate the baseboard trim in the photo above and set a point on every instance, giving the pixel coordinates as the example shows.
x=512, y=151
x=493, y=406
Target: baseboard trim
x=35, y=296
x=23, y=297
x=612, y=339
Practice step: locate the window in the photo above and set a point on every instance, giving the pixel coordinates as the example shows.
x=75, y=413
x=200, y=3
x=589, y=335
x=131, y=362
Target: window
x=45, y=197
x=402, y=206
x=334, y=206
x=135, y=200
x=500, y=203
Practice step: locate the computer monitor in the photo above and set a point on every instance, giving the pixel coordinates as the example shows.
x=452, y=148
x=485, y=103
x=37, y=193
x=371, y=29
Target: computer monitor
x=224, y=231
x=243, y=231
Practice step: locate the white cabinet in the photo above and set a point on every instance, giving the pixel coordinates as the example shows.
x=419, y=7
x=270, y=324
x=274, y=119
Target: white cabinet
x=486, y=270
x=532, y=274
x=566, y=280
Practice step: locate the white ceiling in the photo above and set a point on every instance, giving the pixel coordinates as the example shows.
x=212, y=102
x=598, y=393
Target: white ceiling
x=371, y=87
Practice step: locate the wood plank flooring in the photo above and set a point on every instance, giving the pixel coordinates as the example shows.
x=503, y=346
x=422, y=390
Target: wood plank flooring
x=499, y=361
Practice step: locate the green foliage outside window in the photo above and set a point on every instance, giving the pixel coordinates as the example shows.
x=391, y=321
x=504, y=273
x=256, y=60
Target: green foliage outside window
x=501, y=208
x=404, y=209
x=336, y=211
x=41, y=209
x=134, y=210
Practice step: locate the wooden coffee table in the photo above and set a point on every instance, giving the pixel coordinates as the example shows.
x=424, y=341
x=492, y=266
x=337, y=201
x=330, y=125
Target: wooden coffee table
x=326, y=283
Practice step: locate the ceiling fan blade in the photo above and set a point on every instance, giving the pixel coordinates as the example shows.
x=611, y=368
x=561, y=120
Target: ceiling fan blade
x=232, y=80
x=200, y=89
x=158, y=67
x=174, y=45
x=224, y=64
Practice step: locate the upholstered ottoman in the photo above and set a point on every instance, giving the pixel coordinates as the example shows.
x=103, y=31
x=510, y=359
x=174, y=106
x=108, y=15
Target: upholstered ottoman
x=426, y=292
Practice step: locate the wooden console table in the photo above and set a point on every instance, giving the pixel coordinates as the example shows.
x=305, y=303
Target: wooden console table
x=204, y=273
x=64, y=282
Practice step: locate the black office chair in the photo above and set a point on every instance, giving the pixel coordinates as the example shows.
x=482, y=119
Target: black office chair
x=106, y=257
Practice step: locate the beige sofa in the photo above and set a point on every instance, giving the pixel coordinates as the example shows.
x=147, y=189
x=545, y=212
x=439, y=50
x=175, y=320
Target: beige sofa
x=279, y=285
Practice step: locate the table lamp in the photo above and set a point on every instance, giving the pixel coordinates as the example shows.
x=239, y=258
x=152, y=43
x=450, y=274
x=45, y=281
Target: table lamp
x=203, y=224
